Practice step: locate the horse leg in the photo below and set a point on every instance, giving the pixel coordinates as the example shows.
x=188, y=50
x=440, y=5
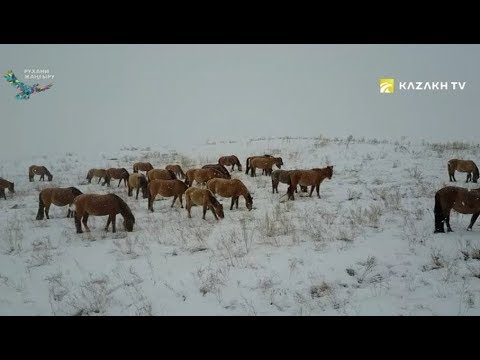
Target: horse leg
x=318, y=190
x=311, y=190
x=447, y=221
x=114, y=221
x=469, y=177
x=213, y=211
x=174, y=199
x=119, y=181
x=181, y=201
x=100, y=178
x=78, y=224
x=84, y=221
x=47, y=207
x=188, y=205
x=236, y=201
x=205, y=207
x=233, y=201
x=474, y=218
x=2, y=193
x=252, y=171
x=68, y=213
x=138, y=189
x=108, y=222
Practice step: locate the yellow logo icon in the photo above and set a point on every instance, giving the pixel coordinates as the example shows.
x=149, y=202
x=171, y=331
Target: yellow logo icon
x=387, y=86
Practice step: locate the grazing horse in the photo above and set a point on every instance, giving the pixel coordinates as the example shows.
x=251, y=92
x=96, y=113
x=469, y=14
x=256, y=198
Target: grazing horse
x=101, y=205
x=247, y=162
x=166, y=188
x=203, y=197
x=311, y=177
x=467, y=166
x=283, y=176
x=218, y=167
x=137, y=181
x=58, y=197
x=230, y=160
x=459, y=199
x=39, y=170
x=142, y=166
x=117, y=173
x=5, y=184
x=264, y=163
x=161, y=174
x=201, y=176
x=100, y=173
x=232, y=188
x=177, y=169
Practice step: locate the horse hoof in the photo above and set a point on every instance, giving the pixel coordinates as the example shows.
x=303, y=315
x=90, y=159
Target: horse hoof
x=469, y=229
x=450, y=230
x=439, y=231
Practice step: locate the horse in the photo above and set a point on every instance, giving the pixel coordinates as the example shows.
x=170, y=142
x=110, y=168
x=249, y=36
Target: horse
x=201, y=176
x=39, y=170
x=265, y=163
x=5, y=184
x=117, y=173
x=101, y=205
x=100, y=173
x=177, y=169
x=247, y=163
x=230, y=160
x=58, y=197
x=218, y=167
x=232, y=188
x=283, y=176
x=312, y=177
x=203, y=197
x=160, y=174
x=142, y=166
x=467, y=166
x=166, y=188
x=137, y=181
x=459, y=199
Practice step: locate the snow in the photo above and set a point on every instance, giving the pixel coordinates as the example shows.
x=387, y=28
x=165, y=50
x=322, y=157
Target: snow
x=365, y=248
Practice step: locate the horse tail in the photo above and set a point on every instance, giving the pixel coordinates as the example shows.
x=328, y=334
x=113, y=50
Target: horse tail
x=75, y=191
x=149, y=195
x=41, y=206
x=475, y=172
x=439, y=215
x=247, y=165
x=30, y=173
x=182, y=174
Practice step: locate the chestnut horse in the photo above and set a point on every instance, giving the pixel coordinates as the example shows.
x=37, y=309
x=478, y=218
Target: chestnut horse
x=201, y=176
x=177, y=169
x=166, y=188
x=247, y=162
x=58, y=197
x=231, y=188
x=264, y=163
x=459, y=199
x=283, y=176
x=117, y=173
x=101, y=205
x=218, y=167
x=5, y=184
x=100, y=173
x=203, y=197
x=39, y=170
x=230, y=160
x=467, y=166
x=142, y=166
x=312, y=177
x=161, y=174
x=137, y=181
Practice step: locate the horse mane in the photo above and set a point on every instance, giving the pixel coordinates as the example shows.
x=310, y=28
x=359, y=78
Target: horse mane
x=124, y=208
x=236, y=160
x=172, y=174
x=213, y=199
x=75, y=191
x=46, y=171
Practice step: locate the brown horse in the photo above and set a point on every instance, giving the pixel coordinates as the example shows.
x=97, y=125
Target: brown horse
x=39, y=170
x=58, y=197
x=459, y=199
x=142, y=166
x=177, y=169
x=283, y=176
x=5, y=184
x=218, y=167
x=166, y=188
x=117, y=173
x=312, y=177
x=201, y=176
x=467, y=166
x=230, y=160
x=137, y=181
x=264, y=163
x=232, y=188
x=203, y=197
x=100, y=173
x=101, y=205
x=161, y=174
x=247, y=163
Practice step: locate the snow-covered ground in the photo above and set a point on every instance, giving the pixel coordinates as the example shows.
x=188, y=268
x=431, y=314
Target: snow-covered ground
x=365, y=248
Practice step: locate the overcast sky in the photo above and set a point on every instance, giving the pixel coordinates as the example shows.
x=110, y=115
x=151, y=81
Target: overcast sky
x=107, y=96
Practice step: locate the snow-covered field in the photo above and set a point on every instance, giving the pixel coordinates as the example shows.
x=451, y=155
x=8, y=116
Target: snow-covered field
x=365, y=248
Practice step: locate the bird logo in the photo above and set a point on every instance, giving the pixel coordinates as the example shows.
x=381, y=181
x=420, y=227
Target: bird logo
x=25, y=90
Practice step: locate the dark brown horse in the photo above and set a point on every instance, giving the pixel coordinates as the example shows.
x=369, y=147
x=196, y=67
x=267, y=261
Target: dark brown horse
x=161, y=174
x=101, y=205
x=117, y=173
x=203, y=197
x=58, y=197
x=247, y=163
x=166, y=188
x=39, y=170
x=100, y=173
x=313, y=178
x=459, y=199
x=231, y=188
x=177, y=169
x=5, y=184
x=201, y=176
x=264, y=163
x=142, y=166
x=283, y=176
x=231, y=160
x=137, y=181
x=218, y=167
x=467, y=166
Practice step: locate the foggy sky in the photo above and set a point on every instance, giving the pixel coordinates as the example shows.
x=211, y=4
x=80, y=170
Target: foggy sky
x=107, y=96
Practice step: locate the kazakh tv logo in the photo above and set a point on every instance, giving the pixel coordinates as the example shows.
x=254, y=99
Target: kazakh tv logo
x=387, y=86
